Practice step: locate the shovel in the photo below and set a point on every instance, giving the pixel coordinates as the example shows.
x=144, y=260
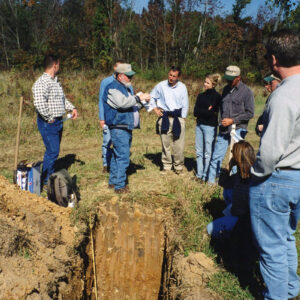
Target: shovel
x=18, y=141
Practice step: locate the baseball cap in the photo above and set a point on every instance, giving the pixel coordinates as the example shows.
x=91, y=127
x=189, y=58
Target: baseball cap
x=124, y=69
x=231, y=72
x=271, y=77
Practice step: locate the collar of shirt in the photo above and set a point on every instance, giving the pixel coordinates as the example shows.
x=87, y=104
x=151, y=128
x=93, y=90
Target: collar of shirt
x=289, y=78
x=237, y=87
x=172, y=86
x=50, y=77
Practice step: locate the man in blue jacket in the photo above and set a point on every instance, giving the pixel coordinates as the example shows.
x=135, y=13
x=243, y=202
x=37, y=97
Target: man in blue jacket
x=106, y=144
x=121, y=109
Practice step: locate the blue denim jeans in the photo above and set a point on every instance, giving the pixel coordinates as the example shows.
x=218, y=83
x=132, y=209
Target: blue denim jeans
x=221, y=226
x=275, y=210
x=51, y=134
x=106, y=150
x=223, y=141
x=121, y=140
x=205, y=137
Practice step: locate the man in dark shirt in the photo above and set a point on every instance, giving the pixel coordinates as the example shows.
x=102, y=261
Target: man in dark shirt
x=237, y=107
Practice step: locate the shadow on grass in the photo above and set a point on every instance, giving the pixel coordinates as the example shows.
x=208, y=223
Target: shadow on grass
x=133, y=168
x=190, y=163
x=236, y=251
x=215, y=207
x=66, y=162
x=238, y=255
x=155, y=158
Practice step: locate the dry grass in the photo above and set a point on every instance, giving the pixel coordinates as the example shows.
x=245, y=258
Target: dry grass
x=188, y=202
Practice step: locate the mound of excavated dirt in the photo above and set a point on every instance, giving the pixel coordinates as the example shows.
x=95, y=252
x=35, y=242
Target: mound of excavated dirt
x=191, y=274
x=37, y=259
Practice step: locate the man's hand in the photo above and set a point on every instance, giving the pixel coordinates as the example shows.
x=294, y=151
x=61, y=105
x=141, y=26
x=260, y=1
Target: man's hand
x=158, y=111
x=145, y=97
x=74, y=114
x=227, y=122
x=102, y=123
x=210, y=107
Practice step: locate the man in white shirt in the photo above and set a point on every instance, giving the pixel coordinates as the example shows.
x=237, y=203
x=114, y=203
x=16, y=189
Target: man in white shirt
x=169, y=100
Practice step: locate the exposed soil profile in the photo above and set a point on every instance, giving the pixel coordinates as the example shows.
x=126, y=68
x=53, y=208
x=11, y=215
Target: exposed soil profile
x=129, y=250
x=37, y=258
x=134, y=258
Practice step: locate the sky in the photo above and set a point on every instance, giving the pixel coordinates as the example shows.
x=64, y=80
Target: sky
x=251, y=9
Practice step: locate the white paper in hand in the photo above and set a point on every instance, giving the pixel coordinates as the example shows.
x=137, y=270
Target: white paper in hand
x=145, y=103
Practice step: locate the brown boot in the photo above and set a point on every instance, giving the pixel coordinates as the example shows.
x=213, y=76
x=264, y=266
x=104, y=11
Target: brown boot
x=124, y=190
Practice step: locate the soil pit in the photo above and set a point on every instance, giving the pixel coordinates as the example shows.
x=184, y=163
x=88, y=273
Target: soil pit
x=133, y=256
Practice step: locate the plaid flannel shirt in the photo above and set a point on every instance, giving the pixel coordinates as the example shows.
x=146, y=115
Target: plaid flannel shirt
x=49, y=98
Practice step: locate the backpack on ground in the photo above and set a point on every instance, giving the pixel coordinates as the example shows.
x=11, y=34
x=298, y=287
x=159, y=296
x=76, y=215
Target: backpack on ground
x=60, y=189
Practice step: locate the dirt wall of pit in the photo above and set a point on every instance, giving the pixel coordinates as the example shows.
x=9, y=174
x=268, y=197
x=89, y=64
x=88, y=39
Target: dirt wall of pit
x=129, y=252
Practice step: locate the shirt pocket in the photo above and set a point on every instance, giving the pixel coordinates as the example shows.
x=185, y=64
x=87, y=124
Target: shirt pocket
x=237, y=105
x=59, y=93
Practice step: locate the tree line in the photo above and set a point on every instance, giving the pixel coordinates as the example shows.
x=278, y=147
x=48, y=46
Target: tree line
x=198, y=35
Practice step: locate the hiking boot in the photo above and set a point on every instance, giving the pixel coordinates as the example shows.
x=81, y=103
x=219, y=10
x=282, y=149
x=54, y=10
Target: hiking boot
x=124, y=190
x=197, y=179
x=111, y=186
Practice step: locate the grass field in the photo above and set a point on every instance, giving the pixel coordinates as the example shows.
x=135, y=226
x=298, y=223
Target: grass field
x=191, y=204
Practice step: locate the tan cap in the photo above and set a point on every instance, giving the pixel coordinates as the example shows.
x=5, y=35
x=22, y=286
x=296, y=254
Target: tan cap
x=124, y=69
x=232, y=72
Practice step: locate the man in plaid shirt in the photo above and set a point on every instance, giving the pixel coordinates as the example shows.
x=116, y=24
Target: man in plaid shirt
x=51, y=104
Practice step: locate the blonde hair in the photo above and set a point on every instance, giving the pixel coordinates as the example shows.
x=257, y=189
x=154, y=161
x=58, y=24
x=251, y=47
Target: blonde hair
x=215, y=79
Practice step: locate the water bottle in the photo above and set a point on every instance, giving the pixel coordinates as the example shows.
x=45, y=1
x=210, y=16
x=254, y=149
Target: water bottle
x=105, y=128
x=68, y=116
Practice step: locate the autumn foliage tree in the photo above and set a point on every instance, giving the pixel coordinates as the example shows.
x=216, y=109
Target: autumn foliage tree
x=196, y=34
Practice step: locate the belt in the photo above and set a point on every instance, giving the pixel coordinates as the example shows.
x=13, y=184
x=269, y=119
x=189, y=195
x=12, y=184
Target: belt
x=287, y=169
x=57, y=118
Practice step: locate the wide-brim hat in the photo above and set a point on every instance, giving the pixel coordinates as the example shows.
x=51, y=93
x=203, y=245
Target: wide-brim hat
x=124, y=69
x=232, y=72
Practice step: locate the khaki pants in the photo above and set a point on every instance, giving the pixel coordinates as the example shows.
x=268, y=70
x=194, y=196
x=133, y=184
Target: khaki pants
x=169, y=144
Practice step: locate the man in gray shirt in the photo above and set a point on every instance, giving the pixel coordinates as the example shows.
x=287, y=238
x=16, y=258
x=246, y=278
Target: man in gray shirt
x=275, y=188
x=237, y=107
